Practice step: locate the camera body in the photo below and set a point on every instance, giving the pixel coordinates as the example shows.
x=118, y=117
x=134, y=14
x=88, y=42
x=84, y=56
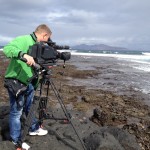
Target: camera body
x=45, y=53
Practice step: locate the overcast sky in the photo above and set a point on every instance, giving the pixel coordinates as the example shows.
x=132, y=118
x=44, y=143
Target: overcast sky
x=124, y=23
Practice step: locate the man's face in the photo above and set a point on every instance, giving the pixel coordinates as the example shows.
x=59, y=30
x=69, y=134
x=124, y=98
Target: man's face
x=45, y=37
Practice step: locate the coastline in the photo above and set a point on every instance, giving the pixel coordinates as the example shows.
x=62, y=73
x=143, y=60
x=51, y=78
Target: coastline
x=112, y=89
x=102, y=85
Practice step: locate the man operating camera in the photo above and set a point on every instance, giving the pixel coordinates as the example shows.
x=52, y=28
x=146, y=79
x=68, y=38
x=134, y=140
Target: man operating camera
x=16, y=78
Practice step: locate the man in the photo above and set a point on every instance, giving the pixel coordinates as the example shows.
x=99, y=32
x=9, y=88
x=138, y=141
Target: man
x=18, y=72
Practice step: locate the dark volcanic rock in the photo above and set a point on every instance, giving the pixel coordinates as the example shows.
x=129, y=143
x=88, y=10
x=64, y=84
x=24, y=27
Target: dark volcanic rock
x=99, y=117
x=62, y=136
x=111, y=138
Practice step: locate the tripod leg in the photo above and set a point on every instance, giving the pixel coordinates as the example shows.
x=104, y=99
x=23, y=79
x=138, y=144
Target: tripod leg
x=42, y=109
x=59, y=98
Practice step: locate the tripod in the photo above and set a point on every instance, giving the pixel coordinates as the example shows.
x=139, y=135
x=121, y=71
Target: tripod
x=40, y=103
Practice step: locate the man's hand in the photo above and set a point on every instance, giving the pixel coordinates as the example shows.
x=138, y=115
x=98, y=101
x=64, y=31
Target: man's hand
x=30, y=60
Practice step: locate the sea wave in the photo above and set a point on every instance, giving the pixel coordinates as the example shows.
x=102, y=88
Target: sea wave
x=144, y=58
x=146, y=53
x=140, y=62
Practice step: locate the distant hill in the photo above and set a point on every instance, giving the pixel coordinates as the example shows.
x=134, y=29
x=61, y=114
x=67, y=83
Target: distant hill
x=1, y=47
x=97, y=47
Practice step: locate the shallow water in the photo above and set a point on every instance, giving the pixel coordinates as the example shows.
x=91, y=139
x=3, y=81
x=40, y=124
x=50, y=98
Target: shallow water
x=119, y=76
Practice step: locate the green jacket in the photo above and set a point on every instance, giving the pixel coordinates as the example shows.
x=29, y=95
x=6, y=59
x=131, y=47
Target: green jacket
x=18, y=69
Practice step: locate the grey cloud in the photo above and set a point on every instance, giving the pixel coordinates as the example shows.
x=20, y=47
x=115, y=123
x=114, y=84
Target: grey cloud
x=119, y=22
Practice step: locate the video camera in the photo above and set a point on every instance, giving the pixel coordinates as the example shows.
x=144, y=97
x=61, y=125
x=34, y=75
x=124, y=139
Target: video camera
x=45, y=53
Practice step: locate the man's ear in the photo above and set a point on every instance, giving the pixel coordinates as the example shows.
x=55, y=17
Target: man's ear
x=44, y=35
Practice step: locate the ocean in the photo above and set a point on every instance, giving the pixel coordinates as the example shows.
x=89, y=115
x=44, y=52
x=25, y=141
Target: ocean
x=141, y=59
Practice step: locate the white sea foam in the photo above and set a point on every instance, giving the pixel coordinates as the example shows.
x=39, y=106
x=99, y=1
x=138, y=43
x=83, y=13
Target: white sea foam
x=146, y=54
x=141, y=62
x=93, y=54
x=140, y=58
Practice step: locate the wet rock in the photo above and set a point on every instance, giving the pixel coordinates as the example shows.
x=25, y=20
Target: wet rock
x=111, y=138
x=61, y=135
x=141, y=133
x=118, y=118
x=85, y=99
x=4, y=128
x=6, y=145
x=99, y=117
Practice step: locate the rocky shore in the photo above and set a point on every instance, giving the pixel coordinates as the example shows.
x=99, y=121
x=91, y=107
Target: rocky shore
x=103, y=118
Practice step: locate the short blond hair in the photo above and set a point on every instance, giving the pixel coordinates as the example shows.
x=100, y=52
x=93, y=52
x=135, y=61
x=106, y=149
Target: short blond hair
x=43, y=28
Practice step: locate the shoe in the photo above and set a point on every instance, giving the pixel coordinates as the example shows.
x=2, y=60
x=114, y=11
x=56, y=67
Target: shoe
x=25, y=146
x=39, y=132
